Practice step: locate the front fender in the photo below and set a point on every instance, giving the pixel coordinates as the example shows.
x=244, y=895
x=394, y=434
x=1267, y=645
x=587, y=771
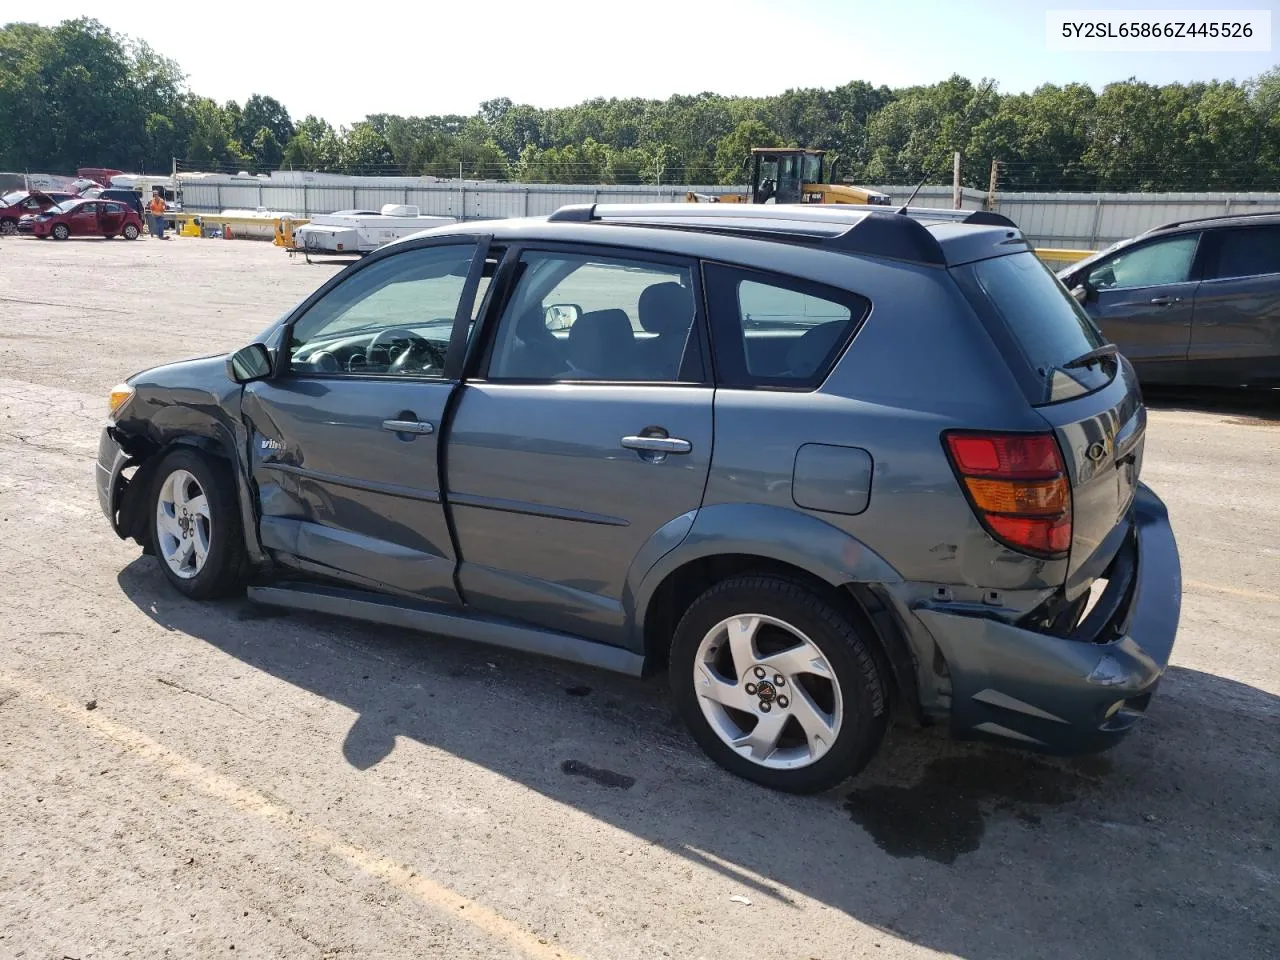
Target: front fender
x=773, y=533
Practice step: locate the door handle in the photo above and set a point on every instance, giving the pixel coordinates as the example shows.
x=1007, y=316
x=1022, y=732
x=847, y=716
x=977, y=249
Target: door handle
x=420, y=427
x=1165, y=301
x=657, y=444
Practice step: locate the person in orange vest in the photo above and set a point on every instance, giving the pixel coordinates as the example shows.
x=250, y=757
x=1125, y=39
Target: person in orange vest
x=157, y=208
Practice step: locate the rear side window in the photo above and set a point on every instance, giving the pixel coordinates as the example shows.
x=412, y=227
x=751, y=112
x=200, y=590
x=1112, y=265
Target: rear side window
x=1248, y=252
x=1043, y=322
x=776, y=331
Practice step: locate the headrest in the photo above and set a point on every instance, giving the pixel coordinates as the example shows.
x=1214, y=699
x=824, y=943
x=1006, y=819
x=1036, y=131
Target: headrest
x=666, y=309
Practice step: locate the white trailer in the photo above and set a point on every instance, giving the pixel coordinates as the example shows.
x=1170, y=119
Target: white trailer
x=362, y=231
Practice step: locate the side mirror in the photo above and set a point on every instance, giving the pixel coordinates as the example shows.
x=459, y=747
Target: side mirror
x=562, y=316
x=1083, y=292
x=249, y=363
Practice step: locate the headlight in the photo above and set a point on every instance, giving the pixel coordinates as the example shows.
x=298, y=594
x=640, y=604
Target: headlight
x=121, y=394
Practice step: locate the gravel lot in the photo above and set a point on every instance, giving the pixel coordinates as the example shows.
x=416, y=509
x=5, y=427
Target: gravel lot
x=184, y=780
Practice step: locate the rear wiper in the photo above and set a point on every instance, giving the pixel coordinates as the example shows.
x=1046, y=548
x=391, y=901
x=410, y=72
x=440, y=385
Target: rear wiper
x=1092, y=357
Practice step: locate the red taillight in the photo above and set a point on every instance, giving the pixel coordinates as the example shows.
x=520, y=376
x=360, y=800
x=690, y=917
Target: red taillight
x=1018, y=486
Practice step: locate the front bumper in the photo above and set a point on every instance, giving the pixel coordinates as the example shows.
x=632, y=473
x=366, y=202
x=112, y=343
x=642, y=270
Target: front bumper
x=26, y=226
x=109, y=472
x=1085, y=691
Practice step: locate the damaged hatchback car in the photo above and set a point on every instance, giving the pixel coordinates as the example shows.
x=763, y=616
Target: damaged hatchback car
x=822, y=466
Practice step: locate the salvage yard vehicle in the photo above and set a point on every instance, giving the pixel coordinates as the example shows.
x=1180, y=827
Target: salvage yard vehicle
x=823, y=465
x=792, y=175
x=1194, y=302
x=84, y=218
x=14, y=206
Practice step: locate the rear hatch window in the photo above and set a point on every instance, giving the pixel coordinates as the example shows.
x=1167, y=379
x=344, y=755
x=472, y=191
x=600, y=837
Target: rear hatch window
x=1039, y=326
x=1091, y=401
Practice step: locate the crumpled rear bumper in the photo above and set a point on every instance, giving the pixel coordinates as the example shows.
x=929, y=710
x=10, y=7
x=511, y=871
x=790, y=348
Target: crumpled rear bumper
x=1082, y=692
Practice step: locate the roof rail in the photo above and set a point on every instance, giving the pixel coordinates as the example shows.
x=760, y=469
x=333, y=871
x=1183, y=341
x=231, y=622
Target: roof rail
x=866, y=230
x=1217, y=216
x=847, y=213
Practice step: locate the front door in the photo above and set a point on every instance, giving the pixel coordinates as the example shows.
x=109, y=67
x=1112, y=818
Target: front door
x=1145, y=300
x=580, y=454
x=84, y=220
x=344, y=439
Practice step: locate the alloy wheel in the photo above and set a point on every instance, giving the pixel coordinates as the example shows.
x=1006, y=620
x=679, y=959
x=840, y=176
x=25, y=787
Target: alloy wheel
x=183, y=524
x=768, y=691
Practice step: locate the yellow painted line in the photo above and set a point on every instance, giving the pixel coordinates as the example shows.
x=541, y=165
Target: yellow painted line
x=1232, y=591
x=247, y=800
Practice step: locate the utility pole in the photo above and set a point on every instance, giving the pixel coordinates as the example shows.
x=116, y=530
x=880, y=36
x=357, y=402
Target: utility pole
x=955, y=182
x=991, y=184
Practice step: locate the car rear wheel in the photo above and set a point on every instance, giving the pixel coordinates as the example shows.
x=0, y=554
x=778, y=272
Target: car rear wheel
x=60, y=231
x=777, y=684
x=8, y=226
x=195, y=525
x=130, y=232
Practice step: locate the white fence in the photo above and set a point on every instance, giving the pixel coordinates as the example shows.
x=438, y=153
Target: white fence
x=1072, y=220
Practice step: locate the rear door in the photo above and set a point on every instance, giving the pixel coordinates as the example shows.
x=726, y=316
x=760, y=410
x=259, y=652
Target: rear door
x=1145, y=300
x=110, y=218
x=1094, y=408
x=1235, y=339
x=584, y=439
x=344, y=439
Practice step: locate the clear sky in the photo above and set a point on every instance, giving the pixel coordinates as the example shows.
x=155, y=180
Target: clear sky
x=345, y=60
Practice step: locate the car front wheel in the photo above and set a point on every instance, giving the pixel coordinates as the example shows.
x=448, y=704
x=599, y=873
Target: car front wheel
x=777, y=684
x=130, y=232
x=195, y=525
x=8, y=226
x=60, y=231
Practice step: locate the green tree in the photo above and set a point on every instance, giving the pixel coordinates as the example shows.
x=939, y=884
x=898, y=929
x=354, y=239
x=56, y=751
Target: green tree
x=259, y=112
x=267, y=152
x=364, y=150
x=734, y=149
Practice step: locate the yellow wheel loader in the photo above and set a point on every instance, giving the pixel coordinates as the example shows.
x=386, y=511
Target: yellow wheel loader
x=791, y=175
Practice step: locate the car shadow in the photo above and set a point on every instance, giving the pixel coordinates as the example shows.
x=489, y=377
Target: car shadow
x=971, y=850
x=1244, y=406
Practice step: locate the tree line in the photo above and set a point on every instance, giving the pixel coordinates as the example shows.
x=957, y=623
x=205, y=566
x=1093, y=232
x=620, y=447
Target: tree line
x=79, y=94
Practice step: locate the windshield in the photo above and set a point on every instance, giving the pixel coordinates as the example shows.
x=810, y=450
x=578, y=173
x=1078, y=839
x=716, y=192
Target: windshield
x=62, y=207
x=9, y=199
x=1049, y=328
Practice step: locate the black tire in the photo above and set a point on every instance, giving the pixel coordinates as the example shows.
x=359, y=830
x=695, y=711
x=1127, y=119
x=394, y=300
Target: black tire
x=60, y=231
x=130, y=232
x=838, y=638
x=225, y=569
x=9, y=227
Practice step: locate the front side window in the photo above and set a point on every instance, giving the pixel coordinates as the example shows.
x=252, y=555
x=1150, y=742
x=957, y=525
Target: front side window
x=1152, y=264
x=777, y=331
x=393, y=317
x=1248, y=252
x=576, y=317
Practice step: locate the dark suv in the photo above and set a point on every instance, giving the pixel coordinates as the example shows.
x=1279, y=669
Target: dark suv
x=823, y=465
x=1195, y=302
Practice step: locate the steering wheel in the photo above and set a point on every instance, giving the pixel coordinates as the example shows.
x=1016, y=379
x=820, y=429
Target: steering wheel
x=383, y=340
x=421, y=353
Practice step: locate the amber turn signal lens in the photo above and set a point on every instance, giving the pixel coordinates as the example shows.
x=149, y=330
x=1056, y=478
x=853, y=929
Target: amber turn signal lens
x=1048, y=497
x=121, y=393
